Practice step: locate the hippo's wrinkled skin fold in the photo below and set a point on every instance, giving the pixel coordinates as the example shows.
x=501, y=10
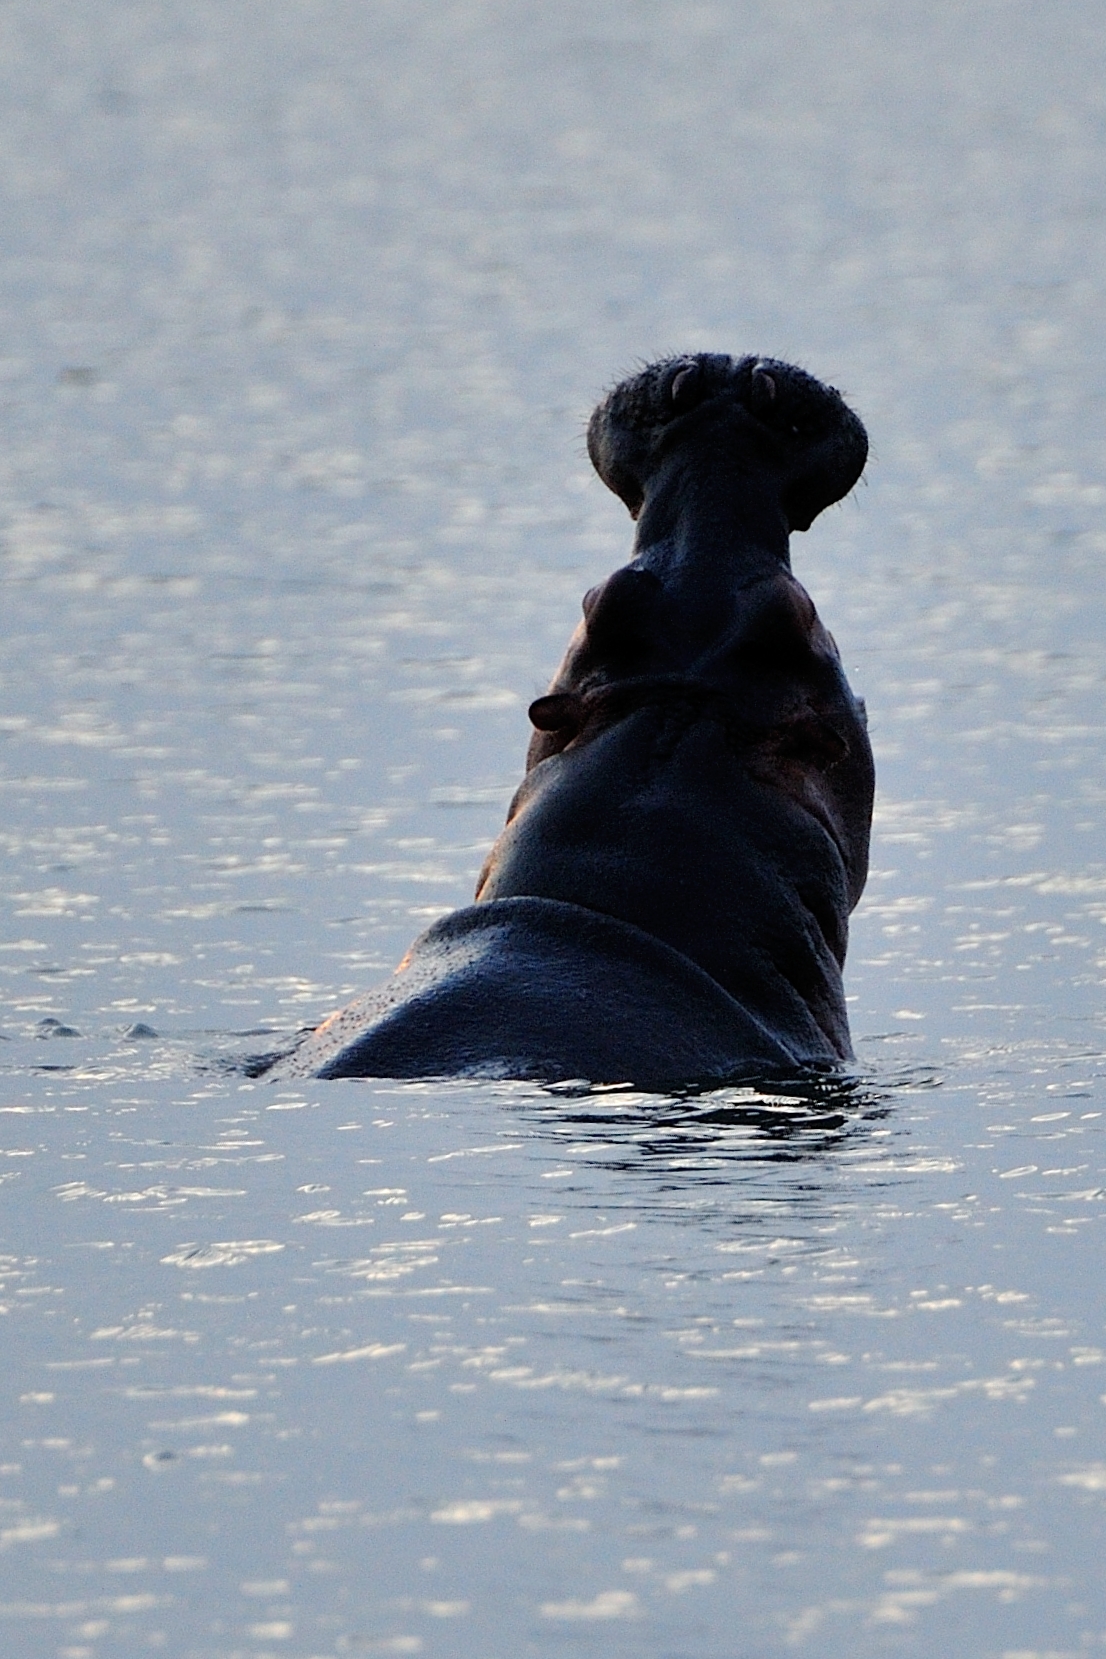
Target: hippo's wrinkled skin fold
x=668, y=902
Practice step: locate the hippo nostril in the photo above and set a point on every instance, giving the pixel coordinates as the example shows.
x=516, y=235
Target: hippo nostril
x=558, y=712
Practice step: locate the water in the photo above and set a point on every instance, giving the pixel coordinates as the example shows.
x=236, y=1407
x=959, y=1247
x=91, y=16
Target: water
x=303, y=310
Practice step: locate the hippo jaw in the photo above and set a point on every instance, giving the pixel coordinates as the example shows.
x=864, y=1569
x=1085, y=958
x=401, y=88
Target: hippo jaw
x=770, y=428
x=718, y=458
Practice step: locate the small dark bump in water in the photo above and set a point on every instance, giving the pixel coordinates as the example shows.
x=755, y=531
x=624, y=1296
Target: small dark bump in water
x=140, y=1029
x=54, y=1028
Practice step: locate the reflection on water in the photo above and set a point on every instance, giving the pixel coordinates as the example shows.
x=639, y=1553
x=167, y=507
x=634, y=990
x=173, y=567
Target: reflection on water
x=794, y=1119
x=304, y=308
x=384, y=1366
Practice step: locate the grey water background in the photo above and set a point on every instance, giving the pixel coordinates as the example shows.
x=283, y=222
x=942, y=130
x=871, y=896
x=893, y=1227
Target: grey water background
x=303, y=308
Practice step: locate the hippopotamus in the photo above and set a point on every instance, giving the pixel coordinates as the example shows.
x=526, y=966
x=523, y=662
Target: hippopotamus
x=668, y=902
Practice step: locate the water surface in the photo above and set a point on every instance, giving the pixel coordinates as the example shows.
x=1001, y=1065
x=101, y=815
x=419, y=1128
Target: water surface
x=303, y=311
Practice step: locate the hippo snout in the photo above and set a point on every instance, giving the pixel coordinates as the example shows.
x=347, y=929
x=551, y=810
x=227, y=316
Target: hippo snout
x=770, y=422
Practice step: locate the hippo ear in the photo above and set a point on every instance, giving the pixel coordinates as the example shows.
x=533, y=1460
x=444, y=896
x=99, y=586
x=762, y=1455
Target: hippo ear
x=559, y=712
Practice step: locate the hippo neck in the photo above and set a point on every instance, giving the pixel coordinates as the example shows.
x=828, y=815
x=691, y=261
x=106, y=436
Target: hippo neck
x=708, y=531
x=658, y=822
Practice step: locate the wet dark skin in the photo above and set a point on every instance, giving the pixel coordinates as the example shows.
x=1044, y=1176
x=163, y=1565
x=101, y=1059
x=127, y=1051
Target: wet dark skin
x=699, y=780
x=701, y=768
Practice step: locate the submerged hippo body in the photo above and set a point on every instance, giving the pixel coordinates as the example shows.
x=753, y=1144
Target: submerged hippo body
x=668, y=902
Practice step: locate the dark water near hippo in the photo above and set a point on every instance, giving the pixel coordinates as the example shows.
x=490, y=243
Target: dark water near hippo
x=303, y=310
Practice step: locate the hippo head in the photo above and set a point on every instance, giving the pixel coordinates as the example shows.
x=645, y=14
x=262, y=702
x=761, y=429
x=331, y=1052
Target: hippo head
x=757, y=418
x=719, y=459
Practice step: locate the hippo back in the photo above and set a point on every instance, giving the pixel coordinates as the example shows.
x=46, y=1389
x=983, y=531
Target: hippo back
x=534, y=988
